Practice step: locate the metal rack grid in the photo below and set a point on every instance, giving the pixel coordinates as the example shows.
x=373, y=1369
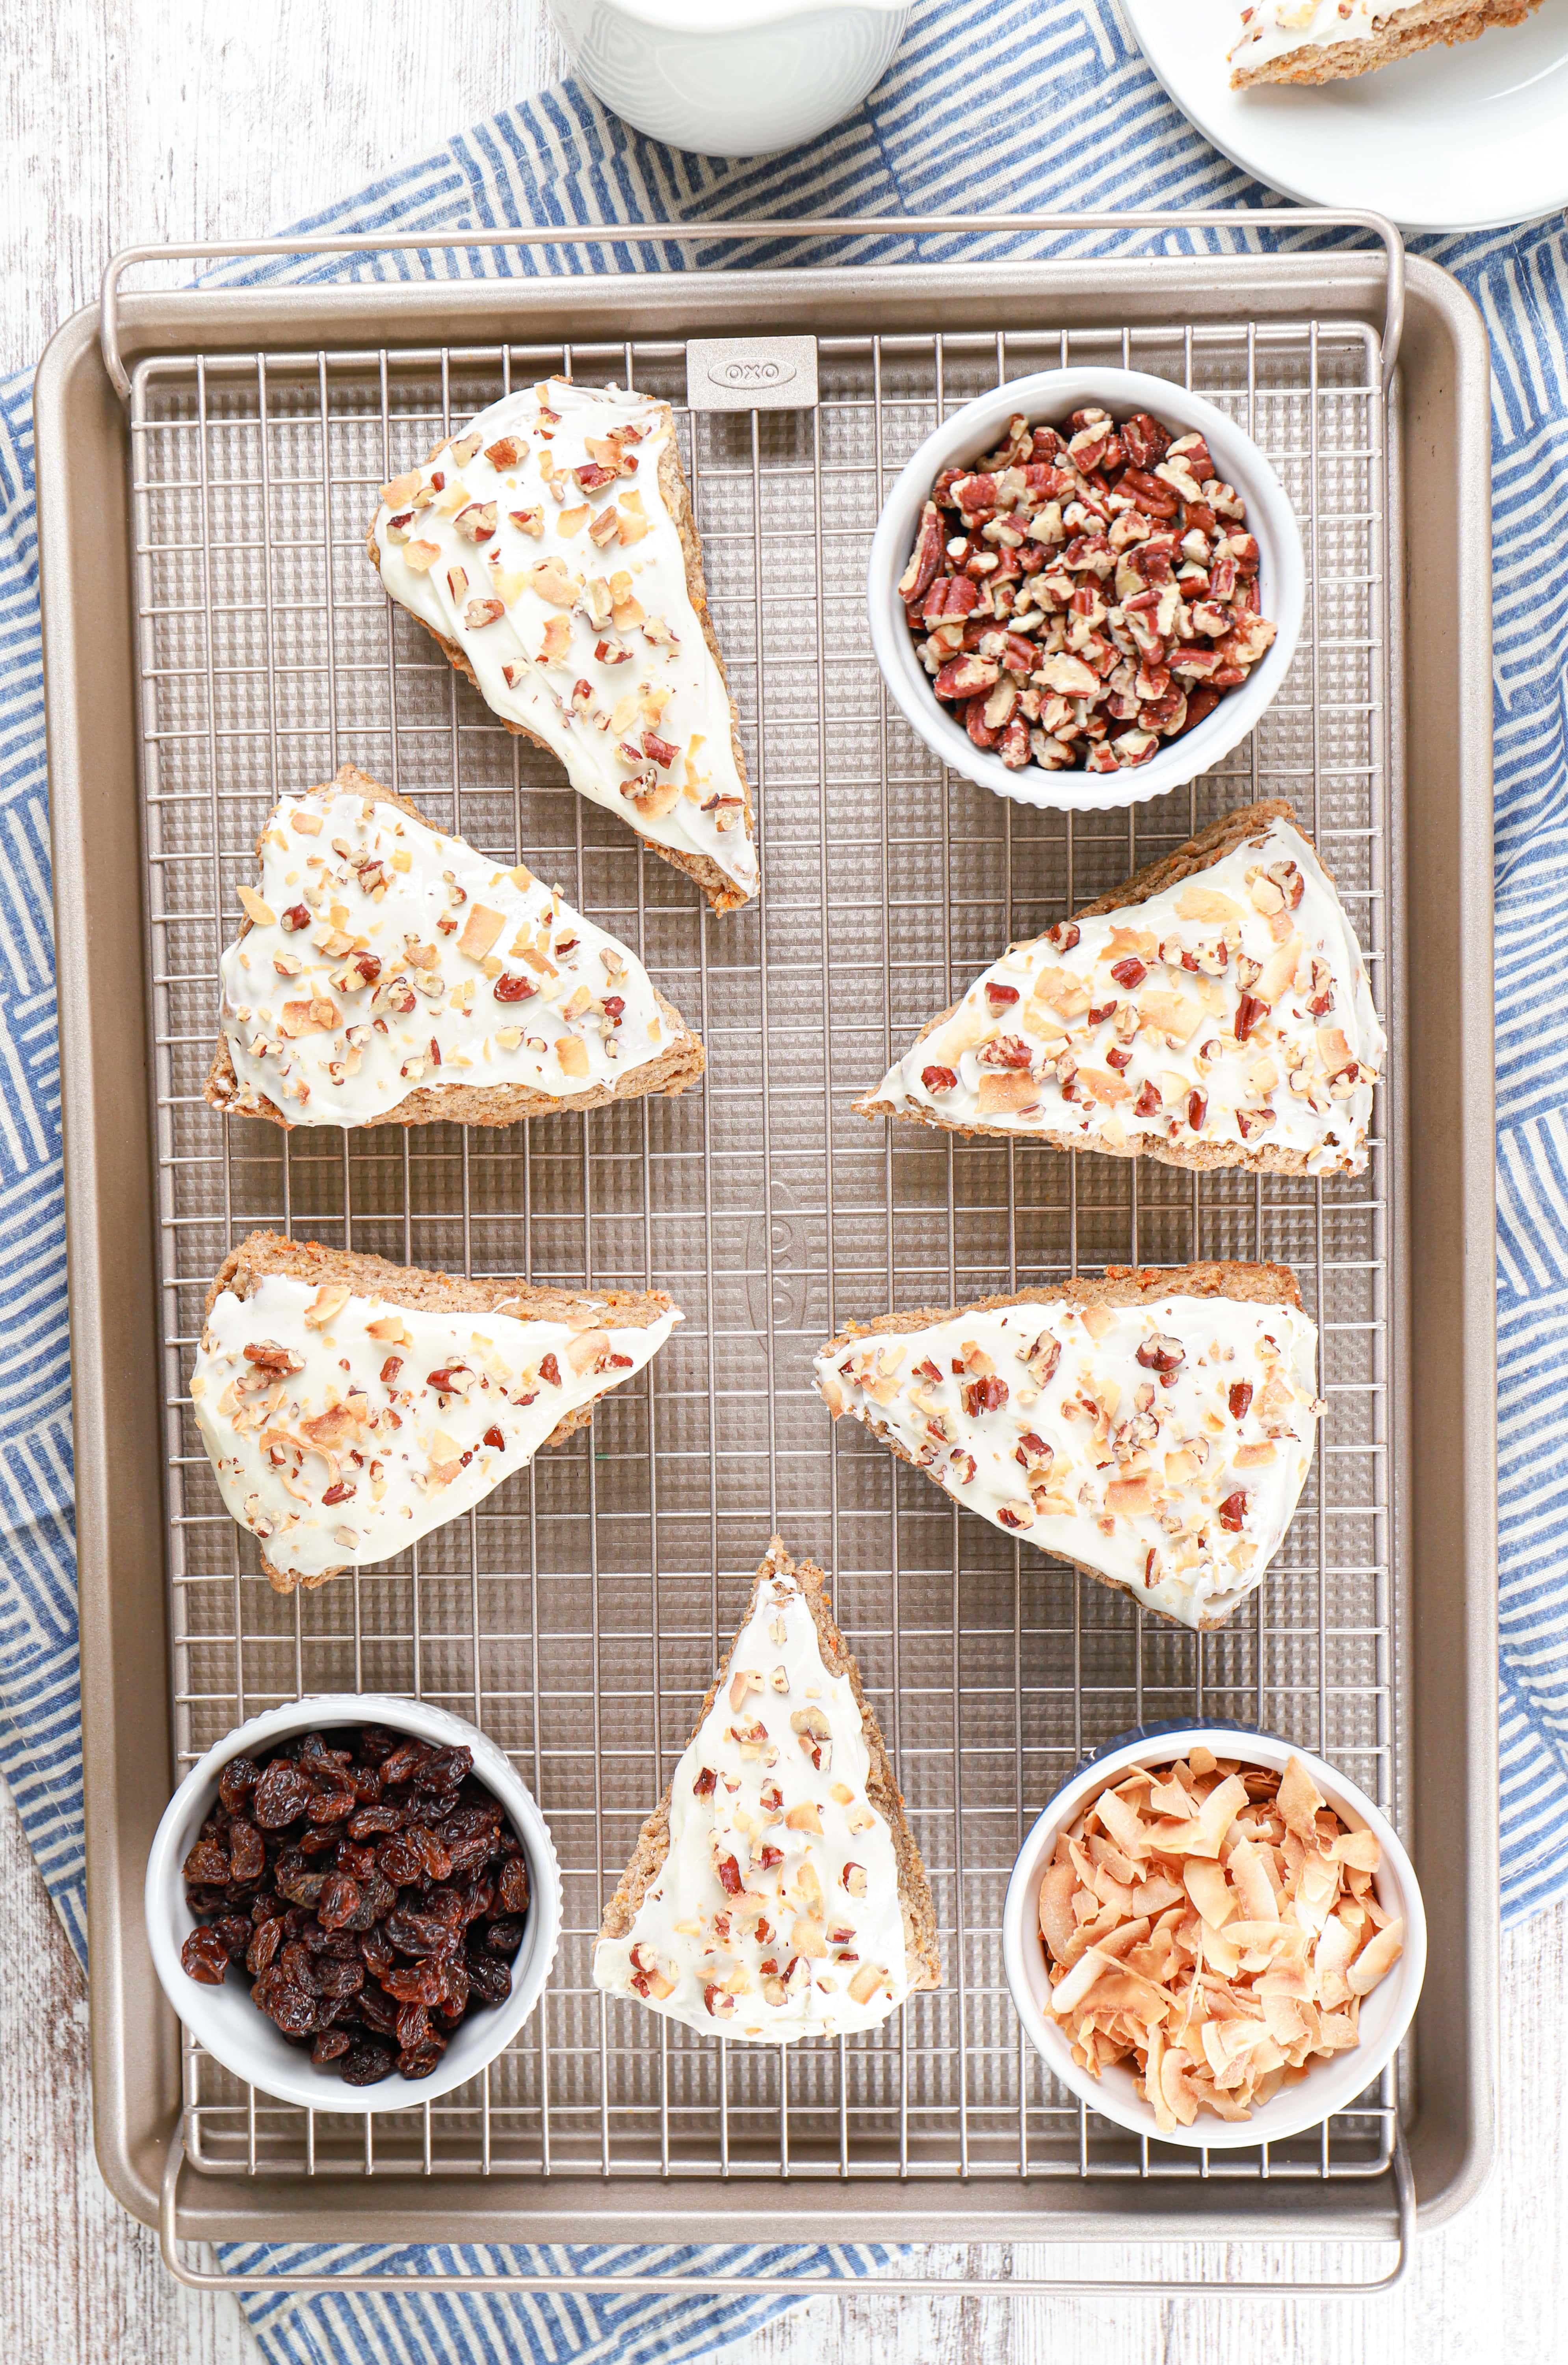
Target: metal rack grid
x=577, y=1614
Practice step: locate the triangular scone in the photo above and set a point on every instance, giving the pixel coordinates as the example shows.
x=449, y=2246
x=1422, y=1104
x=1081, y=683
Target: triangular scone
x=350, y=1405
x=1155, y=1428
x=775, y=1890
x=1325, y=41
x=386, y=974
x=1212, y=1011
x=551, y=550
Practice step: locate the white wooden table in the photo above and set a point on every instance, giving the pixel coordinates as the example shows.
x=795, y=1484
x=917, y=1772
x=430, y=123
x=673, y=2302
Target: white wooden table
x=132, y=120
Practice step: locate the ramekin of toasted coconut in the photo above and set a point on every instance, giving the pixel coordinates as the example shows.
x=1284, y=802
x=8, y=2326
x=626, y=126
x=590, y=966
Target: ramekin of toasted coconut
x=1086, y=587
x=1213, y=1937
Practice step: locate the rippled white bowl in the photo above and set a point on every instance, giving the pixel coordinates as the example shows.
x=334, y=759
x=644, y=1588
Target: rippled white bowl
x=1329, y=2086
x=1047, y=400
x=226, y=2022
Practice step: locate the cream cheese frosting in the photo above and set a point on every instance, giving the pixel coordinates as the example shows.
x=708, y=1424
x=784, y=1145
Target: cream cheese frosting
x=541, y=543
x=1274, y=28
x=342, y=1427
x=776, y=1912
x=383, y=955
x=1230, y=1012
x=1163, y=1445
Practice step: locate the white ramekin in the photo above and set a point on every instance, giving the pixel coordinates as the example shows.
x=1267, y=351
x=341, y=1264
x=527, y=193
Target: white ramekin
x=744, y=80
x=1329, y=2086
x=1048, y=401
x=223, y=2019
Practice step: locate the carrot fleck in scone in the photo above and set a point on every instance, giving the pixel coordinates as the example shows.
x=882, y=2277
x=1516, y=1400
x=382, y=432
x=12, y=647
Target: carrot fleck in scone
x=1328, y=41
x=1155, y=1428
x=552, y=550
x=387, y=974
x=350, y=1405
x=1212, y=1011
x=776, y=1891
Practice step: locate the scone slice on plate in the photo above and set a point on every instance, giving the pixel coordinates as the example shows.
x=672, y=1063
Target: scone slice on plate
x=387, y=974
x=551, y=550
x=1155, y=1428
x=1328, y=41
x=1212, y=1011
x=775, y=1890
x=349, y=1406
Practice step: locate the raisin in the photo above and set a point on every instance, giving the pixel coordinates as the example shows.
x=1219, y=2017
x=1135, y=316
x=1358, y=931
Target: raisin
x=359, y=1863
x=512, y=1884
x=420, y=1933
x=489, y=1977
x=288, y=2008
x=371, y=1822
x=415, y=1982
x=332, y=1806
x=207, y=1861
x=413, y=2027
x=447, y=1770
x=298, y=1881
x=454, y=2002
x=376, y=1950
x=429, y=1851
x=366, y=1784
x=247, y=1851
x=234, y=1929
x=316, y=1841
x=504, y=1937
x=282, y=1795
x=340, y=1899
x=397, y=1861
x=404, y=1761
x=330, y=2045
x=265, y=1940
x=297, y=1968
x=422, y=2059
x=377, y=1743
x=478, y=1897
x=337, y=1978
x=377, y=2011
x=236, y=1783
x=366, y=2065
x=205, y=1957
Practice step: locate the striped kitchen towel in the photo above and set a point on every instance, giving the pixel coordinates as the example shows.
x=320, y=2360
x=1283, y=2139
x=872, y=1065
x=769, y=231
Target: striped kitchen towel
x=1080, y=122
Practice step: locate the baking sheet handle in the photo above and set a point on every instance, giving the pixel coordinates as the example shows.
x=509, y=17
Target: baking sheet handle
x=889, y=2286
x=1249, y=218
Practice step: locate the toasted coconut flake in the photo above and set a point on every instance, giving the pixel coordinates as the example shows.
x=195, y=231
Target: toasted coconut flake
x=1216, y=1925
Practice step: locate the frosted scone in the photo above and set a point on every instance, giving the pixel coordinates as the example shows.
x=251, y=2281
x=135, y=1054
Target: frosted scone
x=1212, y=1011
x=387, y=974
x=1155, y=1428
x=775, y=1890
x=552, y=550
x=1328, y=41
x=349, y=1406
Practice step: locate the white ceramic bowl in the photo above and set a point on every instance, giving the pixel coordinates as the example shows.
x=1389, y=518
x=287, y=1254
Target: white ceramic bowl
x=745, y=79
x=1329, y=2086
x=1047, y=400
x=224, y=2020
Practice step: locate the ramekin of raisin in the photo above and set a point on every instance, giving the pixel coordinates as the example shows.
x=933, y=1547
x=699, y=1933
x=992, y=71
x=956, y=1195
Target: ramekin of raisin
x=352, y=1902
x=1085, y=589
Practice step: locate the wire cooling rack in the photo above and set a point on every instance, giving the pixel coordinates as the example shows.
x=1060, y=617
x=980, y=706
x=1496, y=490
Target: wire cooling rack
x=576, y=1613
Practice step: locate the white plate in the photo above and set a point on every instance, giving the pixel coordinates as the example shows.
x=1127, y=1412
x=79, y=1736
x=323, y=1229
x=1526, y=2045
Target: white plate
x=1463, y=139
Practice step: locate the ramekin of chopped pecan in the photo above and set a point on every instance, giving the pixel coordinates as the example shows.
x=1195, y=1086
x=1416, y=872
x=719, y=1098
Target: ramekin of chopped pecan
x=1085, y=589
x=1214, y=1937
x=352, y=1902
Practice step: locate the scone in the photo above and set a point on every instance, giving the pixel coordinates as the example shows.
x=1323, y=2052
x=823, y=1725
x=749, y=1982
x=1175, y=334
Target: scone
x=1328, y=41
x=1212, y=1011
x=1155, y=1428
x=386, y=974
x=551, y=550
x=776, y=1891
x=349, y=1406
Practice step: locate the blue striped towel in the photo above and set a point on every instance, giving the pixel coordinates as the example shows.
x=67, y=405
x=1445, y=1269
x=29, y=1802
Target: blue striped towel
x=1085, y=124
